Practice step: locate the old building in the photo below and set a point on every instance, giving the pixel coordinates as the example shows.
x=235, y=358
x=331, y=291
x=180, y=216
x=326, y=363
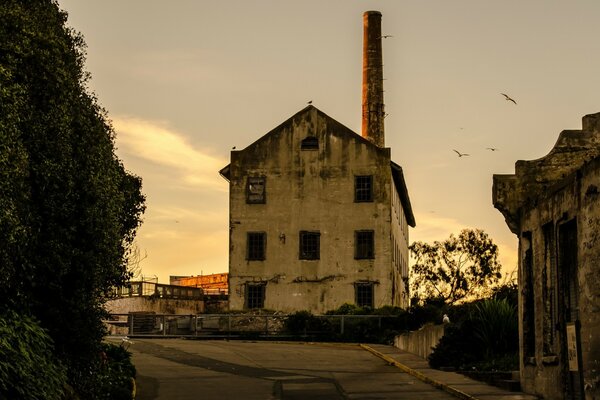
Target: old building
x=319, y=215
x=552, y=205
x=211, y=284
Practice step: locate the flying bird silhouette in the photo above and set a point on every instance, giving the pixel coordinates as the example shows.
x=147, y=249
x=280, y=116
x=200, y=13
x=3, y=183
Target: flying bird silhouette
x=309, y=102
x=460, y=154
x=508, y=98
x=491, y=148
x=384, y=36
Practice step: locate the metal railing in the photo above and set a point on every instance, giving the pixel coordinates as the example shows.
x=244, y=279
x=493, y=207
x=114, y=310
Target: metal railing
x=159, y=290
x=243, y=325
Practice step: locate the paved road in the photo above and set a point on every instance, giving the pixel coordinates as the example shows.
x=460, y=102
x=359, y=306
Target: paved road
x=193, y=369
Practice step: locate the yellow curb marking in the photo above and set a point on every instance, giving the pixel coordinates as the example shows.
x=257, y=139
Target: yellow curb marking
x=449, y=389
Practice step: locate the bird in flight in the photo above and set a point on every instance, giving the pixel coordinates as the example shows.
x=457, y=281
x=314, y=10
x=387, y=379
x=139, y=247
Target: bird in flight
x=309, y=102
x=384, y=36
x=460, y=154
x=508, y=98
x=491, y=148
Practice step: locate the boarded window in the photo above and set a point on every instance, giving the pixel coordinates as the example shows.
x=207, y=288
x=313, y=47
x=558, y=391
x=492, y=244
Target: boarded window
x=256, y=245
x=309, y=245
x=255, y=295
x=363, y=188
x=364, y=294
x=256, y=190
x=310, y=143
x=364, y=245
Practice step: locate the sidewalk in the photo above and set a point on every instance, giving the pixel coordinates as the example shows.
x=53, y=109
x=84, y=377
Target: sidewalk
x=451, y=382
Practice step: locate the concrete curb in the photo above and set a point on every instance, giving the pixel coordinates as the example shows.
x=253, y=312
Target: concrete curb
x=440, y=385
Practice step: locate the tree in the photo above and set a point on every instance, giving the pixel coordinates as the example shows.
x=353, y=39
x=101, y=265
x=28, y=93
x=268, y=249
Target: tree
x=68, y=208
x=458, y=268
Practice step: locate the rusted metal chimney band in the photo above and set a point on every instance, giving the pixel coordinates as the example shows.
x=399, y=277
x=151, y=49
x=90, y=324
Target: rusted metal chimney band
x=373, y=111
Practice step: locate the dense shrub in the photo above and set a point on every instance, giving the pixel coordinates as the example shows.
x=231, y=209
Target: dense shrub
x=69, y=209
x=484, y=338
x=28, y=368
x=302, y=323
x=115, y=373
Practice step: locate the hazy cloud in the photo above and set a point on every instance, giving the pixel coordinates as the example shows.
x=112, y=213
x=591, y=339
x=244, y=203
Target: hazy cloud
x=156, y=143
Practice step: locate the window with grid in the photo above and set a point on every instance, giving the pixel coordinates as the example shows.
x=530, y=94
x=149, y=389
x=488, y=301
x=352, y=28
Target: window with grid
x=256, y=245
x=256, y=190
x=364, y=294
x=363, y=188
x=364, y=245
x=255, y=295
x=309, y=245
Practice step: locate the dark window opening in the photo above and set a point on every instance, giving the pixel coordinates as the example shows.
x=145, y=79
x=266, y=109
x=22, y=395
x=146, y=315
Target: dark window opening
x=310, y=143
x=364, y=245
x=569, y=295
x=364, y=294
x=528, y=297
x=255, y=295
x=363, y=188
x=309, y=245
x=256, y=190
x=549, y=289
x=256, y=245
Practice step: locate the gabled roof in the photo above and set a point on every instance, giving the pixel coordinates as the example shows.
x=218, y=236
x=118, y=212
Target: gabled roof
x=340, y=129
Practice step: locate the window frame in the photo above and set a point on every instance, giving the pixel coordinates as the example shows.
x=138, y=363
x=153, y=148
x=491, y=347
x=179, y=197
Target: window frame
x=251, y=254
x=255, y=302
x=358, y=296
x=366, y=249
x=309, y=254
x=363, y=194
x=260, y=198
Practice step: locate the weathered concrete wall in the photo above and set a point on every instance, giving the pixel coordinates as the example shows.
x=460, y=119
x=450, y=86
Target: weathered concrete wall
x=158, y=305
x=420, y=342
x=312, y=190
x=400, y=294
x=538, y=202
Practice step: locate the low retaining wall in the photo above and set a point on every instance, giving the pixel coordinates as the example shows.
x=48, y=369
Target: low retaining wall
x=158, y=305
x=420, y=342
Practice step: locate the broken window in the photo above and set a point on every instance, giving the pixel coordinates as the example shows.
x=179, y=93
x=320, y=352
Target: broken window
x=310, y=143
x=528, y=297
x=364, y=294
x=363, y=188
x=364, y=245
x=255, y=190
x=256, y=245
x=255, y=295
x=309, y=245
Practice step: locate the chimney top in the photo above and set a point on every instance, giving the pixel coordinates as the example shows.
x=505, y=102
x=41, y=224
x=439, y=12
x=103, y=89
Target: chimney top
x=373, y=111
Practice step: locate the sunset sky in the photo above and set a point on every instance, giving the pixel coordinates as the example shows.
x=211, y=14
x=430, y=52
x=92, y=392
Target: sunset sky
x=184, y=81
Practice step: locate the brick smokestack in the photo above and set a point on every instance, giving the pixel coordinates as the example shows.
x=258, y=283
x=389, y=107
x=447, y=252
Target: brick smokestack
x=372, y=84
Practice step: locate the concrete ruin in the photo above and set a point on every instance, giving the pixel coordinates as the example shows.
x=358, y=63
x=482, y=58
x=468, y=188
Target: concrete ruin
x=318, y=214
x=552, y=205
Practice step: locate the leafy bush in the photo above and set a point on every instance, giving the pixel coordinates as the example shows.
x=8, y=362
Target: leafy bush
x=485, y=338
x=115, y=373
x=304, y=322
x=28, y=368
x=496, y=327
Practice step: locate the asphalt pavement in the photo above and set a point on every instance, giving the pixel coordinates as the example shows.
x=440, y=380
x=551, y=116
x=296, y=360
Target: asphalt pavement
x=219, y=369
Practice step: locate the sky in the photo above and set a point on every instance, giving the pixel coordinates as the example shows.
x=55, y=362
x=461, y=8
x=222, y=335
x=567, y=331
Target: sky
x=185, y=81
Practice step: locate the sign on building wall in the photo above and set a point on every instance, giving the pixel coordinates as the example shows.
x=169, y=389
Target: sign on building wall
x=572, y=347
